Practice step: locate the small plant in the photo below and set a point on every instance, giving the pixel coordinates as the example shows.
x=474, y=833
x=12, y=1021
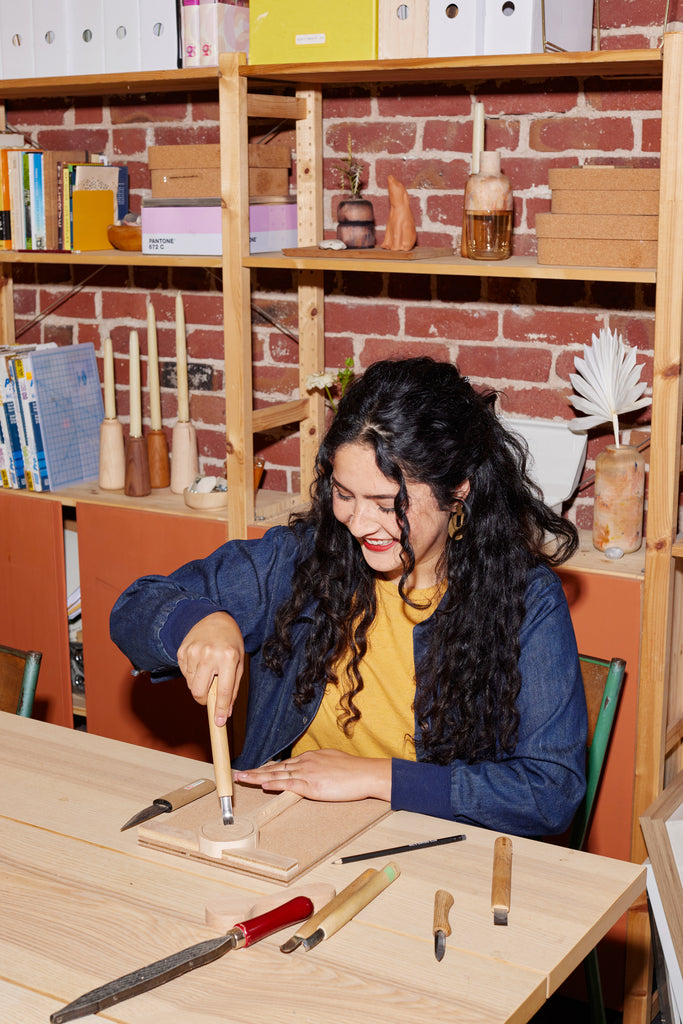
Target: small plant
x=350, y=172
x=326, y=381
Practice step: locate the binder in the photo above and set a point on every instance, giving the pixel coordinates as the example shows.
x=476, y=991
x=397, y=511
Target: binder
x=460, y=36
x=403, y=29
x=16, y=39
x=122, y=36
x=159, y=35
x=85, y=37
x=49, y=37
x=190, y=33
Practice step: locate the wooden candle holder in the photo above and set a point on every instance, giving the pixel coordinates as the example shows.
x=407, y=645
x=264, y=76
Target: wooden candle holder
x=112, y=474
x=137, y=468
x=159, y=462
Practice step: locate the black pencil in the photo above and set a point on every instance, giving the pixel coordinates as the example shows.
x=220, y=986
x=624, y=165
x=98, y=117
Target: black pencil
x=399, y=849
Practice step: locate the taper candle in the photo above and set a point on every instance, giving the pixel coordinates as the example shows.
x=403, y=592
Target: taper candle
x=477, y=135
x=153, y=369
x=181, y=361
x=109, y=393
x=135, y=429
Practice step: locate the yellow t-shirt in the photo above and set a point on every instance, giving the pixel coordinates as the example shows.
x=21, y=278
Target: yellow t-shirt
x=386, y=726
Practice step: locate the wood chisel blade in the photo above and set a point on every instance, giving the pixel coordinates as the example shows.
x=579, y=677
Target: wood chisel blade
x=501, y=884
x=443, y=901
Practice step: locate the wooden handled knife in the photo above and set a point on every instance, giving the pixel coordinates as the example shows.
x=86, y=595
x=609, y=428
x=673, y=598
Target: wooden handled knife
x=502, y=879
x=171, y=801
x=443, y=901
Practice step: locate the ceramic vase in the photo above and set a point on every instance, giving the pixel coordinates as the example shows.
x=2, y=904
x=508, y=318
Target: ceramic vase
x=488, y=211
x=356, y=223
x=618, y=503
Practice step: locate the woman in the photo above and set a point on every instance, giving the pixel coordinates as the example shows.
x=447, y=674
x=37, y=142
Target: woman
x=408, y=638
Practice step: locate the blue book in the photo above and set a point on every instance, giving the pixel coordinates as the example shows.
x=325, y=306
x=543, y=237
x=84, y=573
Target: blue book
x=38, y=232
x=70, y=410
x=8, y=405
x=32, y=448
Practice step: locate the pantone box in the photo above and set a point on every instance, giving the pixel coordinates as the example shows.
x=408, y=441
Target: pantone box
x=272, y=225
x=282, y=32
x=190, y=227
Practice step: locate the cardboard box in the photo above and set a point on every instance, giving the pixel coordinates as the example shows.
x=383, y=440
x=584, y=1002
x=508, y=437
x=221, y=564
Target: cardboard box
x=596, y=201
x=282, y=32
x=596, y=252
x=273, y=225
x=607, y=177
x=192, y=228
x=608, y=226
x=195, y=172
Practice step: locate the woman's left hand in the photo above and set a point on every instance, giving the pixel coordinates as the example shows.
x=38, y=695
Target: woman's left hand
x=325, y=775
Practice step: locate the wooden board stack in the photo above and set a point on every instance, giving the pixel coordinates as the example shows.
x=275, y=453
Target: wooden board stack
x=600, y=217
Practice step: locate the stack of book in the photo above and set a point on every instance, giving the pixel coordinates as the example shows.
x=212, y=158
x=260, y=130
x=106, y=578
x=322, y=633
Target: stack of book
x=50, y=414
x=58, y=200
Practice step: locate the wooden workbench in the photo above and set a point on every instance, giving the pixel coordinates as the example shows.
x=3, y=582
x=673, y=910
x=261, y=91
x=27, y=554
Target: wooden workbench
x=82, y=903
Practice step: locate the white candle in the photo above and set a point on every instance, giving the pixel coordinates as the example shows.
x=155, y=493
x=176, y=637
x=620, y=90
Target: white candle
x=153, y=369
x=109, y=393
x=477, y=135
x=181, y=361
x=134, y=385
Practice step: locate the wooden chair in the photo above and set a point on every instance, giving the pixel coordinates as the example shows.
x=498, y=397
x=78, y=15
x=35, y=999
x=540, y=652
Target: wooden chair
x=602, y=682
x=18, y=680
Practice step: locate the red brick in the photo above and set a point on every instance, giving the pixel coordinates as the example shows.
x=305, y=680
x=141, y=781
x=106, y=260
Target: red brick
x=80, y=304
x=127, y=142
x=652, y=134
x=519, y=97
x=157, y=110
x=371, y=137
x=192, y=135
x=275, y=380
x=453, y=324
x=621, y=95
x=556, y=327
x=354, y=103
x=605, y=134
x=422, y=101
x=424, y=173
x=546, y=403
x=364, y=319
x=375, y=349
x=87, y=111
x=125, y=304
x=495, y=362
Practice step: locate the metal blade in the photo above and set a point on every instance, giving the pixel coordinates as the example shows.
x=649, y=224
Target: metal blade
x=226, y=810
x=439, y=945
x=145, y=978
x=145, y=815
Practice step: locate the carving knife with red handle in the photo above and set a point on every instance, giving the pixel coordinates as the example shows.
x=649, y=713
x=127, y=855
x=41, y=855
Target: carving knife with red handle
x=244, y=934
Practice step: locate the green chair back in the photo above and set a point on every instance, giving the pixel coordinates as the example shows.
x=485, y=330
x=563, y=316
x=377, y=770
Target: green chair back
x=18, y=680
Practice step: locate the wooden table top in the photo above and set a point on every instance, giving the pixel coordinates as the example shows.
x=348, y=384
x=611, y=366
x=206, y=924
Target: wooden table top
x=82, y=903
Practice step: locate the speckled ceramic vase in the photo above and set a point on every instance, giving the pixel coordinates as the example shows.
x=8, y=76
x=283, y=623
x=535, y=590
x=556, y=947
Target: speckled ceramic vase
x=618, y=503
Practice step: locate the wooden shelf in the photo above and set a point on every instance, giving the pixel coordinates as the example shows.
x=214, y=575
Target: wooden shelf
x=132, y=83
x=604, y=63
x=110, y=257
x=515, y=267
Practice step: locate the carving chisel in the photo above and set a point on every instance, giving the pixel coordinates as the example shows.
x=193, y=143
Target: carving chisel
x=171, y=801
x=221, y=758
x=244, y=934
x=311, y=925
x=502, y=879
x=443, y=901
x=343, y=913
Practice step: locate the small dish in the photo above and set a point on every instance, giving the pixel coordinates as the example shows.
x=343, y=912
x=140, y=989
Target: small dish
x=206, y=500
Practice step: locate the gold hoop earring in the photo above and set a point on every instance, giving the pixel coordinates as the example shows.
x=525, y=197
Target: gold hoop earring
x=457, y=520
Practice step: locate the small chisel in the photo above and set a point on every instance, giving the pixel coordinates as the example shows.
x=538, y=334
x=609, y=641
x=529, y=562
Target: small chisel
x=443, y=901
x=312, y=923
x=502, y=879
x=221, y=758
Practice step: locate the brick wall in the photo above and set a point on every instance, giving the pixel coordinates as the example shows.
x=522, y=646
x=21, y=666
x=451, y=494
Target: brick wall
x=520, y=336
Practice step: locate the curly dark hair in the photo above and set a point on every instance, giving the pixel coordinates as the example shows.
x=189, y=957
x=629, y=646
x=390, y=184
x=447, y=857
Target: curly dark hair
x=426, y=423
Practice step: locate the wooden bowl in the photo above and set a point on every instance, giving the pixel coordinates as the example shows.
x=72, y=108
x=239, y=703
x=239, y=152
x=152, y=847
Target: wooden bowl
x=125, y=236
x=207, y=500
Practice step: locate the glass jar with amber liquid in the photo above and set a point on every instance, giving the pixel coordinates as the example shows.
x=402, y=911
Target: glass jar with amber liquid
x=488, y=211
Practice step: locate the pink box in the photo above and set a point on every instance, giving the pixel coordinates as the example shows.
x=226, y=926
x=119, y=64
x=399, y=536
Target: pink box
x=190, y=228
x=272, y=225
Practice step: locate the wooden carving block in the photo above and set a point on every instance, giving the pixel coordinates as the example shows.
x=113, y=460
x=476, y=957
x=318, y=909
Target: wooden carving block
x=301, y=835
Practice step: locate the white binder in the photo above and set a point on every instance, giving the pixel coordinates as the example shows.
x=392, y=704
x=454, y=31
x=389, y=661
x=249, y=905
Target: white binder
x=456, y=30
x=158, y=35
x=85, y=37
x=402, y=29
x=122, y=36
x=517, y=27
x=49, y=38
x=16, y=39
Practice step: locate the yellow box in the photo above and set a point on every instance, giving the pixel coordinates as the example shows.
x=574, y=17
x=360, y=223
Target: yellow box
x=283, y=32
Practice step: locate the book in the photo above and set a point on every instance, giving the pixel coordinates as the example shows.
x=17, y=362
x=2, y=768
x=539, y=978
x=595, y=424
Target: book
x=53, y=186
x=37, y=200
x=10, y=412
x=26, y=199
x=70, y=409
x=14, y=159
x=32, y=447
x=5, y=219
x=5, y=456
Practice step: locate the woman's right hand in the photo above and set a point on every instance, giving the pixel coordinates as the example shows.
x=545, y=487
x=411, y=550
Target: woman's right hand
x=213, y=648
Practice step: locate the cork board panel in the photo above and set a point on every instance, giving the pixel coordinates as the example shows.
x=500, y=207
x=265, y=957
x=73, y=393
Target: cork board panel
x=306, y=833
x=596, y=252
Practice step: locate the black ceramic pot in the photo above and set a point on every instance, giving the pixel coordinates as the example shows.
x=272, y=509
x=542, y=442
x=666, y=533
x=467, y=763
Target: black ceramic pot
x=356, y=223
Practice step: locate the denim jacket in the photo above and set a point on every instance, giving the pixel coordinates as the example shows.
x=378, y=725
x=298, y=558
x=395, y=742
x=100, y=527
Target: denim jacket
x=533, y=791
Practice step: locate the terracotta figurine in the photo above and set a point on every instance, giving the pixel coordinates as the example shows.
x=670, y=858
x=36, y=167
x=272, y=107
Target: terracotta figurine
x=400, y=234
